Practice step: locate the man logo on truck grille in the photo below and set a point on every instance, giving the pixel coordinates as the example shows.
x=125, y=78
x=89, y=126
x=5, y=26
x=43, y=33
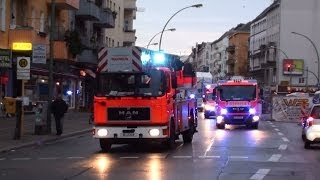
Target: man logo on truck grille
x=128, y=114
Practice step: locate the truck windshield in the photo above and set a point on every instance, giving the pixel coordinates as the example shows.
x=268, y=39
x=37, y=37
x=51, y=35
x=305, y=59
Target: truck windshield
x=237, y=93
x=131, y=84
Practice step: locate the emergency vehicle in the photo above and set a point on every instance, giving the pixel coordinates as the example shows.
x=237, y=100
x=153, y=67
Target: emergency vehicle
x=143, y=95
x=238, y=102
x=210, y=104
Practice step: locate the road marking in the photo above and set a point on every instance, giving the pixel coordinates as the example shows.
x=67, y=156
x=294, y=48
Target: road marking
x=75, y=157
x=208, y=157
x=275, y=158
x=285, y=139
x=270, y=122
x=48, y=158
x=209, y=147
x=283, y=147
x=260, y=174
x=21, y=159
x=238, y=157
x=273, y=126
x=276, y=129
x=1, y=159
x=280, y=133
x=182, y=157
x=156, y=157
x=129, y=157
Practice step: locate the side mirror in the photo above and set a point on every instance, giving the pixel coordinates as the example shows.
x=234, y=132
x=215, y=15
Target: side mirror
x=174, y=83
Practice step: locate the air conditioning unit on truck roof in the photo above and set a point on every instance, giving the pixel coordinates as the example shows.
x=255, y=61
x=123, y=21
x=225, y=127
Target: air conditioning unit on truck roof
x=140, y=96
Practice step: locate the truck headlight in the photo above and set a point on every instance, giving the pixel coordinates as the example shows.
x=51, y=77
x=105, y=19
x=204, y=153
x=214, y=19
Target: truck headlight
x=219, y=119
x=255, y=118
x=154, y=132
x=252, y=111
x=224, y=111
x=209, y=107
x=102, y=132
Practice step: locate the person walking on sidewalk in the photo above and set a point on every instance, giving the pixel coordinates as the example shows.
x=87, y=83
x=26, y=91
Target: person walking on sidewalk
x=59, y=107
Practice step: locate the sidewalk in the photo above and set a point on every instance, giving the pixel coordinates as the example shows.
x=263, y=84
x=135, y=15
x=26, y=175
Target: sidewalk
x=74, y=123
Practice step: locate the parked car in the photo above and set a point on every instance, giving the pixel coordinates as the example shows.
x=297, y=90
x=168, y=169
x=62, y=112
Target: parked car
x=311, y=127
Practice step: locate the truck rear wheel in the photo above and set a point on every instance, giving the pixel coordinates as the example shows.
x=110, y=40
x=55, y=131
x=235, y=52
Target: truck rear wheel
x=187, y=136
x=105, y=145
x=171, y=141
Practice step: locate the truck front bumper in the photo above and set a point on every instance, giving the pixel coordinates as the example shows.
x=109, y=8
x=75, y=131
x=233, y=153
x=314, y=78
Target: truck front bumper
x=123, y=132
x=238, y=119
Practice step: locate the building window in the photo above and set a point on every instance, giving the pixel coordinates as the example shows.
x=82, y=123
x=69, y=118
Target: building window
x=2, y=15
x=118, y=43
x=301, y=80
x=112, y=42
x=33, y=18
x=42, y=22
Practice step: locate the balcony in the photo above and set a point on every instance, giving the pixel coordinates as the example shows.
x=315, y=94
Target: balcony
x=26, y=34
x=129, y=36
x=130, y=5
x=66, y=4
x=88, y=56
x=231, y=49
x=107, y=19
x=230, y=61
x=88, y=11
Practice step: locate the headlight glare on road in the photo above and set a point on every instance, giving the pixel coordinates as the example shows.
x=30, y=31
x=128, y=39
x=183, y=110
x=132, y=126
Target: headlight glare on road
x=102, y=132
x=255, y=118
x=224, y=111
x=154, y=132
x=219, y=119
x=252, y=111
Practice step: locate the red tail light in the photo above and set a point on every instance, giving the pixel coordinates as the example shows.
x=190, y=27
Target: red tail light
x=310, y=121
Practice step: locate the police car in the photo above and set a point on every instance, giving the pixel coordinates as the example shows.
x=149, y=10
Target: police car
x=311, y=127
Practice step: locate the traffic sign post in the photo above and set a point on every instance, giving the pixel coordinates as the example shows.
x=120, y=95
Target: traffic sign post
x=23, y=68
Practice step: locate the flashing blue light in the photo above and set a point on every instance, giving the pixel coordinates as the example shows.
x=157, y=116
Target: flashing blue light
x=159, y=58
x=145, y=58
x=208, y=86
x=252, y=111
x=69, y=92
x=192, y=96
x=224, y=111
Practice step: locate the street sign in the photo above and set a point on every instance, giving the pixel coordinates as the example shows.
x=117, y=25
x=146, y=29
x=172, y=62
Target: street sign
x=23, y=68
x=39, y=54
x=5, y=58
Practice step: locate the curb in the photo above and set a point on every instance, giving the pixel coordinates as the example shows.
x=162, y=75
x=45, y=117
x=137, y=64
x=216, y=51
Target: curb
x=46, y=140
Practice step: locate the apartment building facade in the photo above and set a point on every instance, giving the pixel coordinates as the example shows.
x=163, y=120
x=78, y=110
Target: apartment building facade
x=123, y=34
x=80, y=30
x=274, y=48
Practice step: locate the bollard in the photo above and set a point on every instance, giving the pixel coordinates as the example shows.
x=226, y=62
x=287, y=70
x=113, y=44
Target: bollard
x=19, y=112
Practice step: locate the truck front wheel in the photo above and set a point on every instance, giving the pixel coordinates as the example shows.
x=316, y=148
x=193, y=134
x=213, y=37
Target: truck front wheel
x=105, y=145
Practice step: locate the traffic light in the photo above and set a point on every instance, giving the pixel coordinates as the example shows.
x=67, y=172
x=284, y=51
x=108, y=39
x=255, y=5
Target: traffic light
x=289, y=68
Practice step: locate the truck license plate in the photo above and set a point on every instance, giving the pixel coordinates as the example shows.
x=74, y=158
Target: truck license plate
x=128, y=134
x=238, y=117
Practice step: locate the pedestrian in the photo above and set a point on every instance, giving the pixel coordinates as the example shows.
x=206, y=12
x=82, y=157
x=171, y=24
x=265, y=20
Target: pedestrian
x=59, y=107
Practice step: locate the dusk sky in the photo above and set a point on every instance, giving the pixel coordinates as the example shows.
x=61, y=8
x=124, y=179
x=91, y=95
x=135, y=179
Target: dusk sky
x=205, y=24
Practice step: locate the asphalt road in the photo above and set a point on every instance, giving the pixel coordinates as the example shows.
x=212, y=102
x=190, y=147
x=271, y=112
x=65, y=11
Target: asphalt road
x=274, y=151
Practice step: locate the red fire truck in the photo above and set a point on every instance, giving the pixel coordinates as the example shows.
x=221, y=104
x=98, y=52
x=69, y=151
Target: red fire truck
x=238, y=102
x=143, y=95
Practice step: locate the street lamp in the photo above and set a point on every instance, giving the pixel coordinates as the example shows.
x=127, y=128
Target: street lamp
x=153, y=44
x=315, y=48
x=193, y=6
x=171, y=29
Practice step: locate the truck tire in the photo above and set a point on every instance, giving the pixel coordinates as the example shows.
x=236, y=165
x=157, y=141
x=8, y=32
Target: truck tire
x=171, y=141
x=254, y=125
x=187, y=136
x=221, y=126
x=105, y=145
x=307, y=144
